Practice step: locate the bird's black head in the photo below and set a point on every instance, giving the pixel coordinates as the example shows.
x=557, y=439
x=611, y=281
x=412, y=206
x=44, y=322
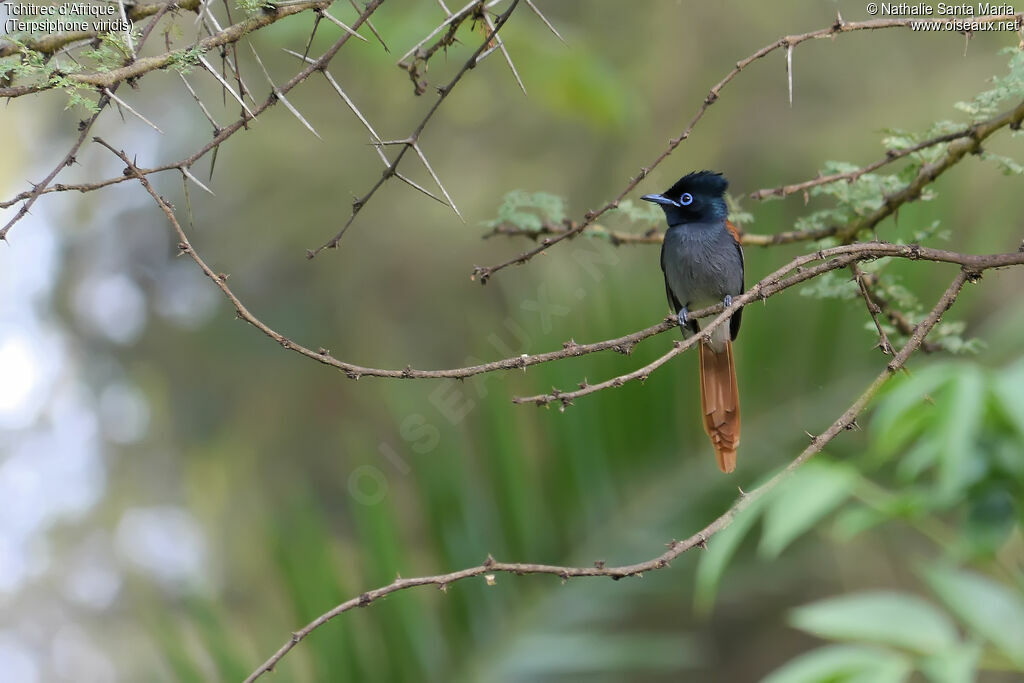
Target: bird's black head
x=698, y=197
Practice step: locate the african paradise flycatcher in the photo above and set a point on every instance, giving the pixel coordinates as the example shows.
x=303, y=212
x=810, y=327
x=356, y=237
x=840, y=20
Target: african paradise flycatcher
x=702, y=261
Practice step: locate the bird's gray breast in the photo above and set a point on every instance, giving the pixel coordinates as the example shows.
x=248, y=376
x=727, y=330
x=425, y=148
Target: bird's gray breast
x=702, y=264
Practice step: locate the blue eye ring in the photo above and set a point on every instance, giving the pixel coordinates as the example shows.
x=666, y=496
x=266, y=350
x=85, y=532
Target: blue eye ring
x=686, y=199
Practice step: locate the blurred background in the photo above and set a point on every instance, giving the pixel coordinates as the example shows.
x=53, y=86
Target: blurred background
x=178, y=493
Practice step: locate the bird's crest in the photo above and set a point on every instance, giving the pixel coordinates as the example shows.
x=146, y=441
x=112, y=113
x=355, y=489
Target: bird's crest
x=699, y=183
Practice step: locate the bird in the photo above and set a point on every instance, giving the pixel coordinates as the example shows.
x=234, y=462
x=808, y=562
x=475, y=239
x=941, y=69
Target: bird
x=702, y=262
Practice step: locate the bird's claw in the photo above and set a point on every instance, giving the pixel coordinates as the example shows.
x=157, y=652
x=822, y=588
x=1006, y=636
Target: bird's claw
x=683, y=316
x=727, y=301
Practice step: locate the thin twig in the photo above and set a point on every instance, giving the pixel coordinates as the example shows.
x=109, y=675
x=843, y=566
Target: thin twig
x=652, y=235
x=873, y=309
x=852, y=176
x=896, y=317
x=40, y=188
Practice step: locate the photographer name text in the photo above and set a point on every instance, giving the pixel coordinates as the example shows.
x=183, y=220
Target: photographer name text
x=942, y=9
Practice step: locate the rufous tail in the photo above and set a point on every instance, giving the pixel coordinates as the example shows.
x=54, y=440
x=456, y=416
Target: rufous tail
x=720, y=403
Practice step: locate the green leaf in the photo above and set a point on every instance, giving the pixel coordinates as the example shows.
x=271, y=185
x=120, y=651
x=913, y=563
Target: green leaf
x=1007, y=165
x=855, y=520
x=991, y=518
x=219, y=638
x=812, y=492
x=955, y=665
x=529, y=211
x=1009, y=393
x=844, y=664
x=887, y=618
x=905, y=402
x=720, y=550
x=989, y=609
x=962, y=416
x=169, y=636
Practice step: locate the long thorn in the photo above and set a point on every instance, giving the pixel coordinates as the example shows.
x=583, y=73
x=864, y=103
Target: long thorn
x=106, y=91
x=340, y=24
x=188, y=174
x=206, y=112
x=341, y=93
x=504, y=51
x=789, y=71
x=423, y=158
x=280, y=95
x=312, y=34
x=416, y=186
x=372, y=28
x=224, y=84
x=529, y=3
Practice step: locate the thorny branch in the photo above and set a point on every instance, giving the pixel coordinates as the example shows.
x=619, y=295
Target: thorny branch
x=277, y=94
x=421, y=56
x=956, y=151
x=853, y=176
x=412, y=142
x=483, y=273
x=568, y=228
x=220, y=136
x=831, y=259
x=834, y=258
x=896, y=317
x=873, y=308
x=675, y=548
x=30, y=197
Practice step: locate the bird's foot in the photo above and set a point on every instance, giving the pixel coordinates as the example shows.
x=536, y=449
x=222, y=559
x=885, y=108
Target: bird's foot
x=727, y=301
x=683, y=316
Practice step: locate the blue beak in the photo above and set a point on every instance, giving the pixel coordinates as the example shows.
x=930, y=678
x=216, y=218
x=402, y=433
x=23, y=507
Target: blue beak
x=659, y=199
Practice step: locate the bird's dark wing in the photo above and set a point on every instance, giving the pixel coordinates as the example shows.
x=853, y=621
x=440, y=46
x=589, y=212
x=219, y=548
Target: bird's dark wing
x=673, y=302
x=734, y=322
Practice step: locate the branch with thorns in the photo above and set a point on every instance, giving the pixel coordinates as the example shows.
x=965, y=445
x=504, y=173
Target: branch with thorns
x=412, y=142
x=831, y=259
x=839, y=27
x=490, y=566
x=235, y=33
x=220, y=134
